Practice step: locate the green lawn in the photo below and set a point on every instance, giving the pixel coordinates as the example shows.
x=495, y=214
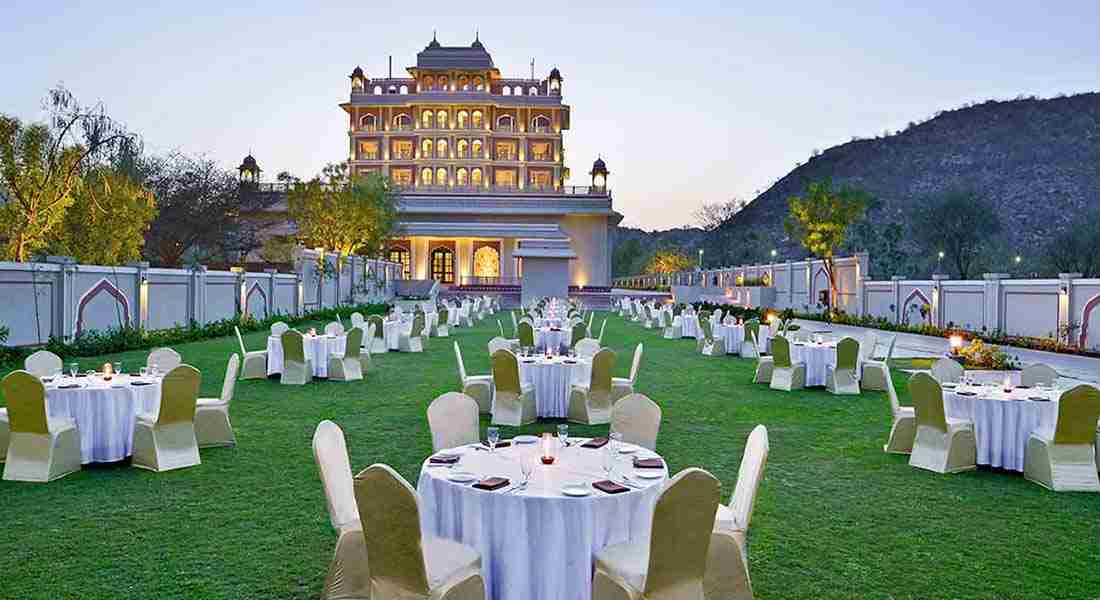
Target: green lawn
x=835, y=518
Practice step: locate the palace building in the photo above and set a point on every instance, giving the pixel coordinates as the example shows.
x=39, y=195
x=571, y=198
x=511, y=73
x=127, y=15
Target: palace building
x=477, y=161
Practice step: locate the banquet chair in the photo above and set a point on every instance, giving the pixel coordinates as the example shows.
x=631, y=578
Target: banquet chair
x=5, y=434
x=499, y=343
x=278, y=328
x=526, y=335
x=941, y=445
x=591, y=317
x=579, y=333
x=453, y=421
x=255, y=362
x=903, y=431
x=334, y=328
x=1038, y=374
x=671, y=331
x=347, y=366
x=876, y=373
x=638, y=419
x=602, y=328
x=736, y=517
x=624, y=386
x=765, y=364
x=513, y=401
x=403, y=565
x=297, y=369
x=671, y=563
x=464, y=317
x=727, y=572
x=357, y=319
x=786, y=376
x=515, y=324
x=843, y=378
x=946, y=370
x=43, y=363
x=649, y=322
x=709, y=345
x=378, y=343
x=40, y=448
x=411, y=342
x=212, y=426
x=166, y=441
x=164, y=359
x=348, y=576
x=1066, y=460
x=867, y=349
x=478, y=387
x=587, y=348
x=440, y=328
x=364, y=346
x=591, y=404
x=750, y=347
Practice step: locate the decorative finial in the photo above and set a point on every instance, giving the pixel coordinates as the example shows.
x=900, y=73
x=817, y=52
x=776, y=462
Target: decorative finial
x=477, y=35
x=433, y=36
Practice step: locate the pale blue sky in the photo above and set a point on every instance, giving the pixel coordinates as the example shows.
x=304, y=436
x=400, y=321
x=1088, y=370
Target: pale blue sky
x=688, y=102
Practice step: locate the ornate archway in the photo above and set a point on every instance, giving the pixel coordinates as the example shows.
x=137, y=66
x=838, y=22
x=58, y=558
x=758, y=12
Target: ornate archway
x=486, y=262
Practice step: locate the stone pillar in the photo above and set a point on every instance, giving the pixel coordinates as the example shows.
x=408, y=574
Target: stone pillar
x=861, y=295
x=242, y=291
x=271, y=281
x=895, y=293
x=196, y=310
x=63, y=323
x=1066, y=308
x=141, y=289
x=937, y=299
x=993, y=304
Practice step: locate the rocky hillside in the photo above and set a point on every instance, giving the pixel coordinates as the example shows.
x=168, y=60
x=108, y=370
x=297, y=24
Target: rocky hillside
x=1038, y=160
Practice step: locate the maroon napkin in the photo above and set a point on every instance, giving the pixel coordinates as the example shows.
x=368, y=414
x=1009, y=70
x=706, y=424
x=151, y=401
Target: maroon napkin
x=648, y=463
x=599, y=442
x=68, y=386
x=444, y=459
x=500, y=444
x=968, y=393
x=1023, y=387
x=491, y=483
x=139, y=383
x=610, y=487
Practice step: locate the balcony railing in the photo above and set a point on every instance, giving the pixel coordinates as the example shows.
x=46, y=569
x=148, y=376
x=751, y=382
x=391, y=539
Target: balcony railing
x=506, y=156
x=401, y=155
x=368, y=156
x=483, y=281
x=280, y=187
x=541, y=129
x=541, y=156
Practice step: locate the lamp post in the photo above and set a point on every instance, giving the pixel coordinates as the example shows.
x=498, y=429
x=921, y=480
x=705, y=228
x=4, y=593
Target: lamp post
x=700, y=259
x=939, y=261
x=774, y=252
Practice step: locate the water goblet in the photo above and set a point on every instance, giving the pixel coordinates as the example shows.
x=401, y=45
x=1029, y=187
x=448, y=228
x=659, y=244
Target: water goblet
x=609, y=462
x=493, y=435
x=563, y=435
x=526, y=467
x=144, y=371
x=74, y=368
x=117, y=368
x=616, y=441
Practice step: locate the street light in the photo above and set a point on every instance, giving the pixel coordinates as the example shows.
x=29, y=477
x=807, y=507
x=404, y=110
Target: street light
x=939, y=261
x=700, y=259
x=773, y=253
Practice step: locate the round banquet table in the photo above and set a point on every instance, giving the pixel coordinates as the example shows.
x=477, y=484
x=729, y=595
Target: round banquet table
x=547, y=322
x=733, y=335
x=317, y=349
x=553, y=379
x=392, y=331
x=1003, y=421
x=536, y=544
x=104, y=412
x=689, y=326
x=819, y=358
x=546, y=337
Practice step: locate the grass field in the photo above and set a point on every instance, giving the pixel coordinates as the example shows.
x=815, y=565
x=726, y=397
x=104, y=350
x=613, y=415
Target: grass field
x=836, y=517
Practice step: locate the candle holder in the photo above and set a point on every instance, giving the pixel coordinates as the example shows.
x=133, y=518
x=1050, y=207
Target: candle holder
x=547, y=449
x=107, y=370
x=1008, y=384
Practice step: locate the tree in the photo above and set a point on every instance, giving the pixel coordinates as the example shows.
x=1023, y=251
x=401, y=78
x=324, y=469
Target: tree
x=41, y=163
x=107, y=222
x=343, y=213
x=712, y=216
x=668, y=260
x=958, y=223
x=819, y=220
x=1077, y=249
x=626, y=258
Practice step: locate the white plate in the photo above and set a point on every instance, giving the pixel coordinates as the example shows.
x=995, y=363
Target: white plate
x=627, y=449
x=649, y=473
x=575, y=490
x=461, y=476
x=525, y=439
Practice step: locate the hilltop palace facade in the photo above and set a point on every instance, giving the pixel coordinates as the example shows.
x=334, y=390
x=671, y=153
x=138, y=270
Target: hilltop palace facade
x=478, y=164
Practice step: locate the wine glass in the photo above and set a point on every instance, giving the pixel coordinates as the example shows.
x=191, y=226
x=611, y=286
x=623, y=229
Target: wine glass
x=526, y=467
x=563, y=435
x=493, y=434
x=74, y=368
x=117, y=368
x=609, y=462
x=144, y=371
x=616, y=441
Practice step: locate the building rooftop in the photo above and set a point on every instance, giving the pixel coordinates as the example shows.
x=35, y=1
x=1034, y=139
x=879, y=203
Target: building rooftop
x=436, y=56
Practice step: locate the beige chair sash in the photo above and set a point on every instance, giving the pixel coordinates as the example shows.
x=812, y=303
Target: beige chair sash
x=682, y=521
x=847, y=354
x=379, y=326
x=390, y=518
x=526, y=334
x=506, y=372
x=26, y=397
x=1078, y=412
x=293, y=346
x=352, y=343
x=178, y=394
x=781, y=352
x=928, y=401
x=602, y=365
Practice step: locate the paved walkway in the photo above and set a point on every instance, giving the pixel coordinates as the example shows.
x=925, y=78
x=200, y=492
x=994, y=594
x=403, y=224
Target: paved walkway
x=1072, y=368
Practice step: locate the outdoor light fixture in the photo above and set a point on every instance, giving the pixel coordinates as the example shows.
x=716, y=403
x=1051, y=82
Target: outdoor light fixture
x=956, y=342
x=1017, y=259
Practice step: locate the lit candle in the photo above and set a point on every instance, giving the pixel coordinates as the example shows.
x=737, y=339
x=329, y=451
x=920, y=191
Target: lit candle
x=1008, y=383
x=107, y=370
x=547, y=449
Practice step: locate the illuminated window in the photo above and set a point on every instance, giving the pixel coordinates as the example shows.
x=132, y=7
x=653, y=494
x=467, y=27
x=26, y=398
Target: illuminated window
x=367, y=123
x=402, y=177
x=461, y=176
x=506, y=91
x=539, y=179
x=479, y=85
x=429, y=82
x=426, y=119
x=505, y=177
x=443, y=82
x=506, y=123
x=486, y=262
x=441, y=148
x=463, y=118
x=401, y=256
x=477, y=148
x=401, y=150
x=476, y=119
x=463, y=149
x=463, y=83
x=441, y=176
x=539, y=151
x=441, y=119
x=506, y=151
x=426, y=176
x=402, y=122
x=426, y=148
x=443, y=265
x=368, y=149
x=518, y=91
x=475, y=177
x=378, y=90
x=404, y=89
x=533, y=91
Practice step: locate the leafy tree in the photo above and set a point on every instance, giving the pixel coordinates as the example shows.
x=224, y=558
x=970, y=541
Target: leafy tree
x=343, y=213
x=278, y=249
x=819, y=220
x=958, y=223
x=41, y=164
x=1077, y=249
x=668, y=260
x=107, y=221
x=626, y=258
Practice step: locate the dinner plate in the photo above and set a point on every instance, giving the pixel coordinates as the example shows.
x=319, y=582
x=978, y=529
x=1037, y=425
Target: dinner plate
x=575, y=490
x=648, y=473
x=525, y=439
x=461, y=476
x=627, y=449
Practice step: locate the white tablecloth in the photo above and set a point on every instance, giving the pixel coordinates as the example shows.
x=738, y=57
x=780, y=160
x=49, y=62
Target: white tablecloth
x=1003, y=421
x=104, y=413
x=317, y=349
x=819, y=358
x=392, y=331
x=734, y=336
x=552, y=380
x=689, y=325
x=536, y=544
x=547, y=322
x=554, y=339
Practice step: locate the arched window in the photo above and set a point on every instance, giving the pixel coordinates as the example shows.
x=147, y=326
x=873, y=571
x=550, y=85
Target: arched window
x=378, y=90
x=463, y=83
x=506, y=91
x=486, y=262
x=443, y=82
x=441, y=148
x=404, y=89
x=506, y=123
x=475, y=177
x=441, y=119
x=443, y=265
x=426, y=176
x=463, y=149
x=461, y=176
x=476, y=149
x=533, y=91
x=426, y=119
x=367, y=122
x=401, y=256
x=463, y=119
x=518, y=91
x=540, y=124
x=441, y=176
x=402, y=122
x=392, y=89
x=425, y=148
x=475, y=119
x=429, y=82
x=479, y=85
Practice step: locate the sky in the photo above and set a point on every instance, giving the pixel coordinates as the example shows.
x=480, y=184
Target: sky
x=687, y=102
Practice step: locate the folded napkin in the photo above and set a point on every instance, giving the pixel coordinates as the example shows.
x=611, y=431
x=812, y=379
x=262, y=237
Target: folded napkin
x=140, y=382
x=648, y=463
x=599, y=442
x=491, y=483
x=968, y=393
x=500, y=444
x=1038, y=398
x=68, y=386
x=444, y=459
x=610, y=487
x=1023, y=387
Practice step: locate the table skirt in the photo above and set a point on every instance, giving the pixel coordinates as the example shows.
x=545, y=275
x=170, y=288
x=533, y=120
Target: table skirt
x=819, y=360
x=317, y=349
x=732, y=335
x=553, y=382
x=104, y=417
x=1002, y=427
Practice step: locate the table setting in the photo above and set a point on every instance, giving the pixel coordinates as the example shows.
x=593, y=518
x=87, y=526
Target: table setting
x=317, y=348
x=539, y=507
x=552, y=339
x=819, y=355
x=552, y=376
x=733, y=334
x=689, y=325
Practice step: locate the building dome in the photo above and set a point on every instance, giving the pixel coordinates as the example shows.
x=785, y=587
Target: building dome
x=555, y=73
x=249, y=164
x=357, y=73
x=599, y=167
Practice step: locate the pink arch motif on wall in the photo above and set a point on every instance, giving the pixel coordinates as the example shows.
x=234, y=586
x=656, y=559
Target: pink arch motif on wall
x=256, y=288
x=905, y=305
x=1085, y=314
x=101, y=286
x=813, y=284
